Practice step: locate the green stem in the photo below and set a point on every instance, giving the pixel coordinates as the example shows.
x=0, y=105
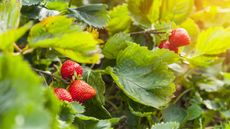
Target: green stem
x=70, y=3
x=182, y=94
x=50, y=74
x=112, y=104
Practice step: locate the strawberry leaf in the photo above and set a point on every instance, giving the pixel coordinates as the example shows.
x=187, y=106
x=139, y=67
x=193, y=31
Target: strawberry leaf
x=144, y=12
x=120, y=19
x=86, y=122
x=95, y=80
x=60, y=33
x=30, y=2
x=115, y=44
x=167, y=125
x=94, y=14
x=176, y=11
x=174, y=113
x=21, y=96
x=143, y=75
x=213, y=41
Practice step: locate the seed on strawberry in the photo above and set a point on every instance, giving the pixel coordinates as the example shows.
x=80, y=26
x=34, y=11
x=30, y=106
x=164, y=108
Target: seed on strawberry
x=81, y=91
x=63, y=94
x=166, y=45
x=179, y=37
x=69, y=68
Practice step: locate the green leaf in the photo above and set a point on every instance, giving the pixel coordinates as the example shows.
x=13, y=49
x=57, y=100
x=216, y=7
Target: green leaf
x=140, y=110
x=193, y=112
x=120, y=19
x=9, y=37
x=52, y=103
x=93, y=57
x=167, y=125
x=95, y=80
x=211, y=104
x=213, y=41
x=37, y=12
x=174, y=113
x=210, y=84
x=78, y=107
x=143, y=75
x=225, y=114
x=9, y=21
x=61, y=33
x=21, y=96
x=176, y=10
x=202, y=61
x=144, y=12
x=60, y=5
x=115, y=44
x=9, y=14
x=226, y=78
x=30, y=2
x=86, y=122
x=192, y=28
x=69, y=110
x=212, y=16
x=94, y=14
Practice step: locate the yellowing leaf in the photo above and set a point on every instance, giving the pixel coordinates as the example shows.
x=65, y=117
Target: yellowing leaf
x=191, y=27
x=9, y=21
x=144, y=12
x=120, y=19
x=176, y=10
x=9, y=37
x=212, y=16
x=9, y=14
x=213, y=41
x=61, y=33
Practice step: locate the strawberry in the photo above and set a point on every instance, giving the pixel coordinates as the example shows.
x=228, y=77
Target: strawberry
x=69, y=68
x=166, y=45
x=63, y=94
x=179, y=37
x=81, y=91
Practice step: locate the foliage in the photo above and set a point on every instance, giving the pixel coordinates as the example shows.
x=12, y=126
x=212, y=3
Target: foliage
x=138, y=85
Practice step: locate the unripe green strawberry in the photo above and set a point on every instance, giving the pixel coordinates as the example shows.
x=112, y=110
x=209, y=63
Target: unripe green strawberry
x=69, y=67
x=81, y=91
x=63, y=94
x=179, y=37
x=166, y=45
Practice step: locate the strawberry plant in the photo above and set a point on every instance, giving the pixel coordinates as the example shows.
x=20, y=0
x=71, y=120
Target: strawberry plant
x=115, y=64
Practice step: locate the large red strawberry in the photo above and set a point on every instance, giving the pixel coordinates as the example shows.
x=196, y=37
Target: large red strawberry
x=63, y=94
x=81, y=91
x=166, y=45
x=179, y=37
x=69, y=67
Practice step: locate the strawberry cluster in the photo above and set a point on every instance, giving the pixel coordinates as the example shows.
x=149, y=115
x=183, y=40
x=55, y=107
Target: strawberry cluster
x=78, y=90
x=178, y=37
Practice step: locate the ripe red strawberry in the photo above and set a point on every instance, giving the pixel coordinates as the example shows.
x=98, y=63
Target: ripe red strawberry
x=166, y=45
x=81, y=91
x=69, y=67
x=179, y=37
x=63, y=94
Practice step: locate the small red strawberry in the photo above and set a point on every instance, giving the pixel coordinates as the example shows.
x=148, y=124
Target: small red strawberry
x=81, y=91
x=166, y=45
x=69, y=67
x=63, y=94
x=179, y=37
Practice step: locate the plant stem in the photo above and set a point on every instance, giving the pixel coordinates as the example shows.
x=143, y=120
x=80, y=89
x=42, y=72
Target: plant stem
x=70, y=2
x=182, y=94
x=17, y=48
x=50, y=74
x=152, y=31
